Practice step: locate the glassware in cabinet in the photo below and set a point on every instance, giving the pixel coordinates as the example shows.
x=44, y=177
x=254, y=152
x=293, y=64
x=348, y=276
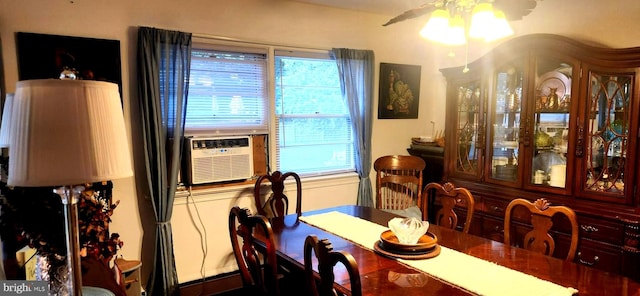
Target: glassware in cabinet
x=551, y=123
x=606, y=136
x=505, y=122
x=469, y=108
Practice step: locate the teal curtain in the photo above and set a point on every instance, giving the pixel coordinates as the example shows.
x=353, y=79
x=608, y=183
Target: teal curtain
x=356, y=68
x=164, y=59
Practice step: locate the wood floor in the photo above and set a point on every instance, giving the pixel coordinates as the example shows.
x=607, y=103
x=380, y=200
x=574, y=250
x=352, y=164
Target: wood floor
x=229, y=285
x=230, y=293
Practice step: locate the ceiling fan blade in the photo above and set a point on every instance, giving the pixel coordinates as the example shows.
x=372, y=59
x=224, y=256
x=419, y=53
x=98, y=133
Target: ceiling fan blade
x=412, y=13
x=515, y=10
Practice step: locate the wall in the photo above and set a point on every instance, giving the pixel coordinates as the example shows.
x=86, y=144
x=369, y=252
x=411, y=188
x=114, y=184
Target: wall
x=286, y=23
x=211, y=209
x=280, y=22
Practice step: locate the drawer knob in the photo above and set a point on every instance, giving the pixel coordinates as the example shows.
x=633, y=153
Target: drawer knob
x=594, y=262
x=588, y=228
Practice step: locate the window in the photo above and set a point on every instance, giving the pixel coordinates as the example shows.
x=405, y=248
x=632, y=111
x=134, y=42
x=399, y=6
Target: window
x=309, y=122
x=227, y=92
x=313, y=126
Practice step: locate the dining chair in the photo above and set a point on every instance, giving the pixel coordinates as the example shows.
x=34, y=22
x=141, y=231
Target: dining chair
x=449, y=197
x=399, y=184
x=539, y=238
x=258, y=269
x=327, y=259
x=276, y=204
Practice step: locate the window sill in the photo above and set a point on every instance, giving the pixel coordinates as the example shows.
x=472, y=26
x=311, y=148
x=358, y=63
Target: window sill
x=246, y=187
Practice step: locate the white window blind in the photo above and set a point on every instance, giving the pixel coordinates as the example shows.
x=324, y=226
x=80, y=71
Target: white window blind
x=227, y=93
x=314, y=134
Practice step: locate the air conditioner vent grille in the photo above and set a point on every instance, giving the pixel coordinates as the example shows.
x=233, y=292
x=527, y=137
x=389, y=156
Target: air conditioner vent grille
x=219, y=159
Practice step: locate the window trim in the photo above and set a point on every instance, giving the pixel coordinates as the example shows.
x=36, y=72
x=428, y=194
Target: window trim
x=304, y=54
x=263, y=50
x=201, y=41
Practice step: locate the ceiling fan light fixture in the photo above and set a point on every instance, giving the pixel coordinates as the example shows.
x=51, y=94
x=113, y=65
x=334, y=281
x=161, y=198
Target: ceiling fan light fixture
x=500, y=28
x=482, y=20
x=437, y=27
x=456, y=34
x=448, y=24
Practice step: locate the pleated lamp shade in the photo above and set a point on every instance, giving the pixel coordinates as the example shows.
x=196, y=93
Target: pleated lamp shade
x=6, y=121
x=67, y=132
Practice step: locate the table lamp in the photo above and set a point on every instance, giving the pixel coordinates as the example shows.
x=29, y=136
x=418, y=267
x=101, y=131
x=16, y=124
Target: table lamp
x=6, y=119
x=67, y=133
x=4, y=136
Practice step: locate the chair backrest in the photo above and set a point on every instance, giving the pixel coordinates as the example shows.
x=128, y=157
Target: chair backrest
x=258, y=269
x=398, y=181
x=539, y=239
x=327, y=258
x=449, y=196
x=276, y=204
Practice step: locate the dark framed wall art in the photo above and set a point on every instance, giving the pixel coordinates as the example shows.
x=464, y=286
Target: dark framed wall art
x=399, y=91
x=42, y=56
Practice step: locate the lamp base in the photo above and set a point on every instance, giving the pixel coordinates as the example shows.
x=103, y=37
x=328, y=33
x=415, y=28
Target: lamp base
x=54, y=270
x=69, y=196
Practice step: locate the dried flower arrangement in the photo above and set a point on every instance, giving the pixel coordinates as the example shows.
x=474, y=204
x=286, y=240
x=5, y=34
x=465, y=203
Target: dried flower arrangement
x=94, y=216
x=35, y=216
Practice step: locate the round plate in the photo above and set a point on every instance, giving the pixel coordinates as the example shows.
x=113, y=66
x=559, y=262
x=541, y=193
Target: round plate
x=435, y=251
x=556, y=80
x=389, y=241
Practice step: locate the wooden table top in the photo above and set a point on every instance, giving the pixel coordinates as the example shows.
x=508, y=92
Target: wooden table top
x=384, y=276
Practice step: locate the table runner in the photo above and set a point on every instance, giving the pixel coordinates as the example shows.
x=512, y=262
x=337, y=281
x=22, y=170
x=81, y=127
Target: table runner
x=462, y=270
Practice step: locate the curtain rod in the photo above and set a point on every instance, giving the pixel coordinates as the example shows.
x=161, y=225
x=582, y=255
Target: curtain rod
x=229, y=39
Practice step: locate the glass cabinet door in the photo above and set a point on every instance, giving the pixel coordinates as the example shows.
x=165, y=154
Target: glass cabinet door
x=505, y=123
x=551, y=122
x=606, y=135
x=468, y=136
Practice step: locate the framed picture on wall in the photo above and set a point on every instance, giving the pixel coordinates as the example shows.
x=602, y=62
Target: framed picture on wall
x=399, y=91
x=42, y=56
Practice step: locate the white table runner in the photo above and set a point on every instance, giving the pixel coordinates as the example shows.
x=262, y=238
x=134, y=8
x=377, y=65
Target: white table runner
x=462, y=270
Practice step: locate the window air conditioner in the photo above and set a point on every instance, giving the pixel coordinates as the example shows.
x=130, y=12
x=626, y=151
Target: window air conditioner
x=218, y=159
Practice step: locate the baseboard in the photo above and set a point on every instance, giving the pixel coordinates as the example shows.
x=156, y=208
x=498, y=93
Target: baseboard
x=211, y=286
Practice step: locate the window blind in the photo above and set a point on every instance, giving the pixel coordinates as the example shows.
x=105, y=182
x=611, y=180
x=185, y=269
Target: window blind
x=227, y=93
x=313, y=127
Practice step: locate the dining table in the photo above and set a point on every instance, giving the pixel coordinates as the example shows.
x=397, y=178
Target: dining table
x=466, y=264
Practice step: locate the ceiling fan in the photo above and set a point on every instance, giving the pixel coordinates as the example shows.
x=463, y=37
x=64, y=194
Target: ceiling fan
x=513, y=9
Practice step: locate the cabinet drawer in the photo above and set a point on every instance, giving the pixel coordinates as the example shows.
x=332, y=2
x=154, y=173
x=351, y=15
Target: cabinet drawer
x=493, y=229
x=600, y=256
x=494, y=207
x=601, y=230
x=497, y=208
x=596, y=229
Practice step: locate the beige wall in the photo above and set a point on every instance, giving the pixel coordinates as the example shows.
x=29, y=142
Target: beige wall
x=286, y=23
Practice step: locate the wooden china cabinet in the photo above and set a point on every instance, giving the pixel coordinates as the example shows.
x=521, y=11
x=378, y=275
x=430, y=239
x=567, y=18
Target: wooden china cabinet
x=546, y=116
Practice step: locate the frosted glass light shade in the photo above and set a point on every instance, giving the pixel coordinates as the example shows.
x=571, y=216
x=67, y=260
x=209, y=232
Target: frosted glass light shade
x=456, y=34
x=6, y=121
x=67, y=132
x=500, y=28
x=482, y=20
x=437, y=27
x=488, y=23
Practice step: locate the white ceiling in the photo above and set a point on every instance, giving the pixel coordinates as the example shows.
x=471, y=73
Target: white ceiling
x=385, y=7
